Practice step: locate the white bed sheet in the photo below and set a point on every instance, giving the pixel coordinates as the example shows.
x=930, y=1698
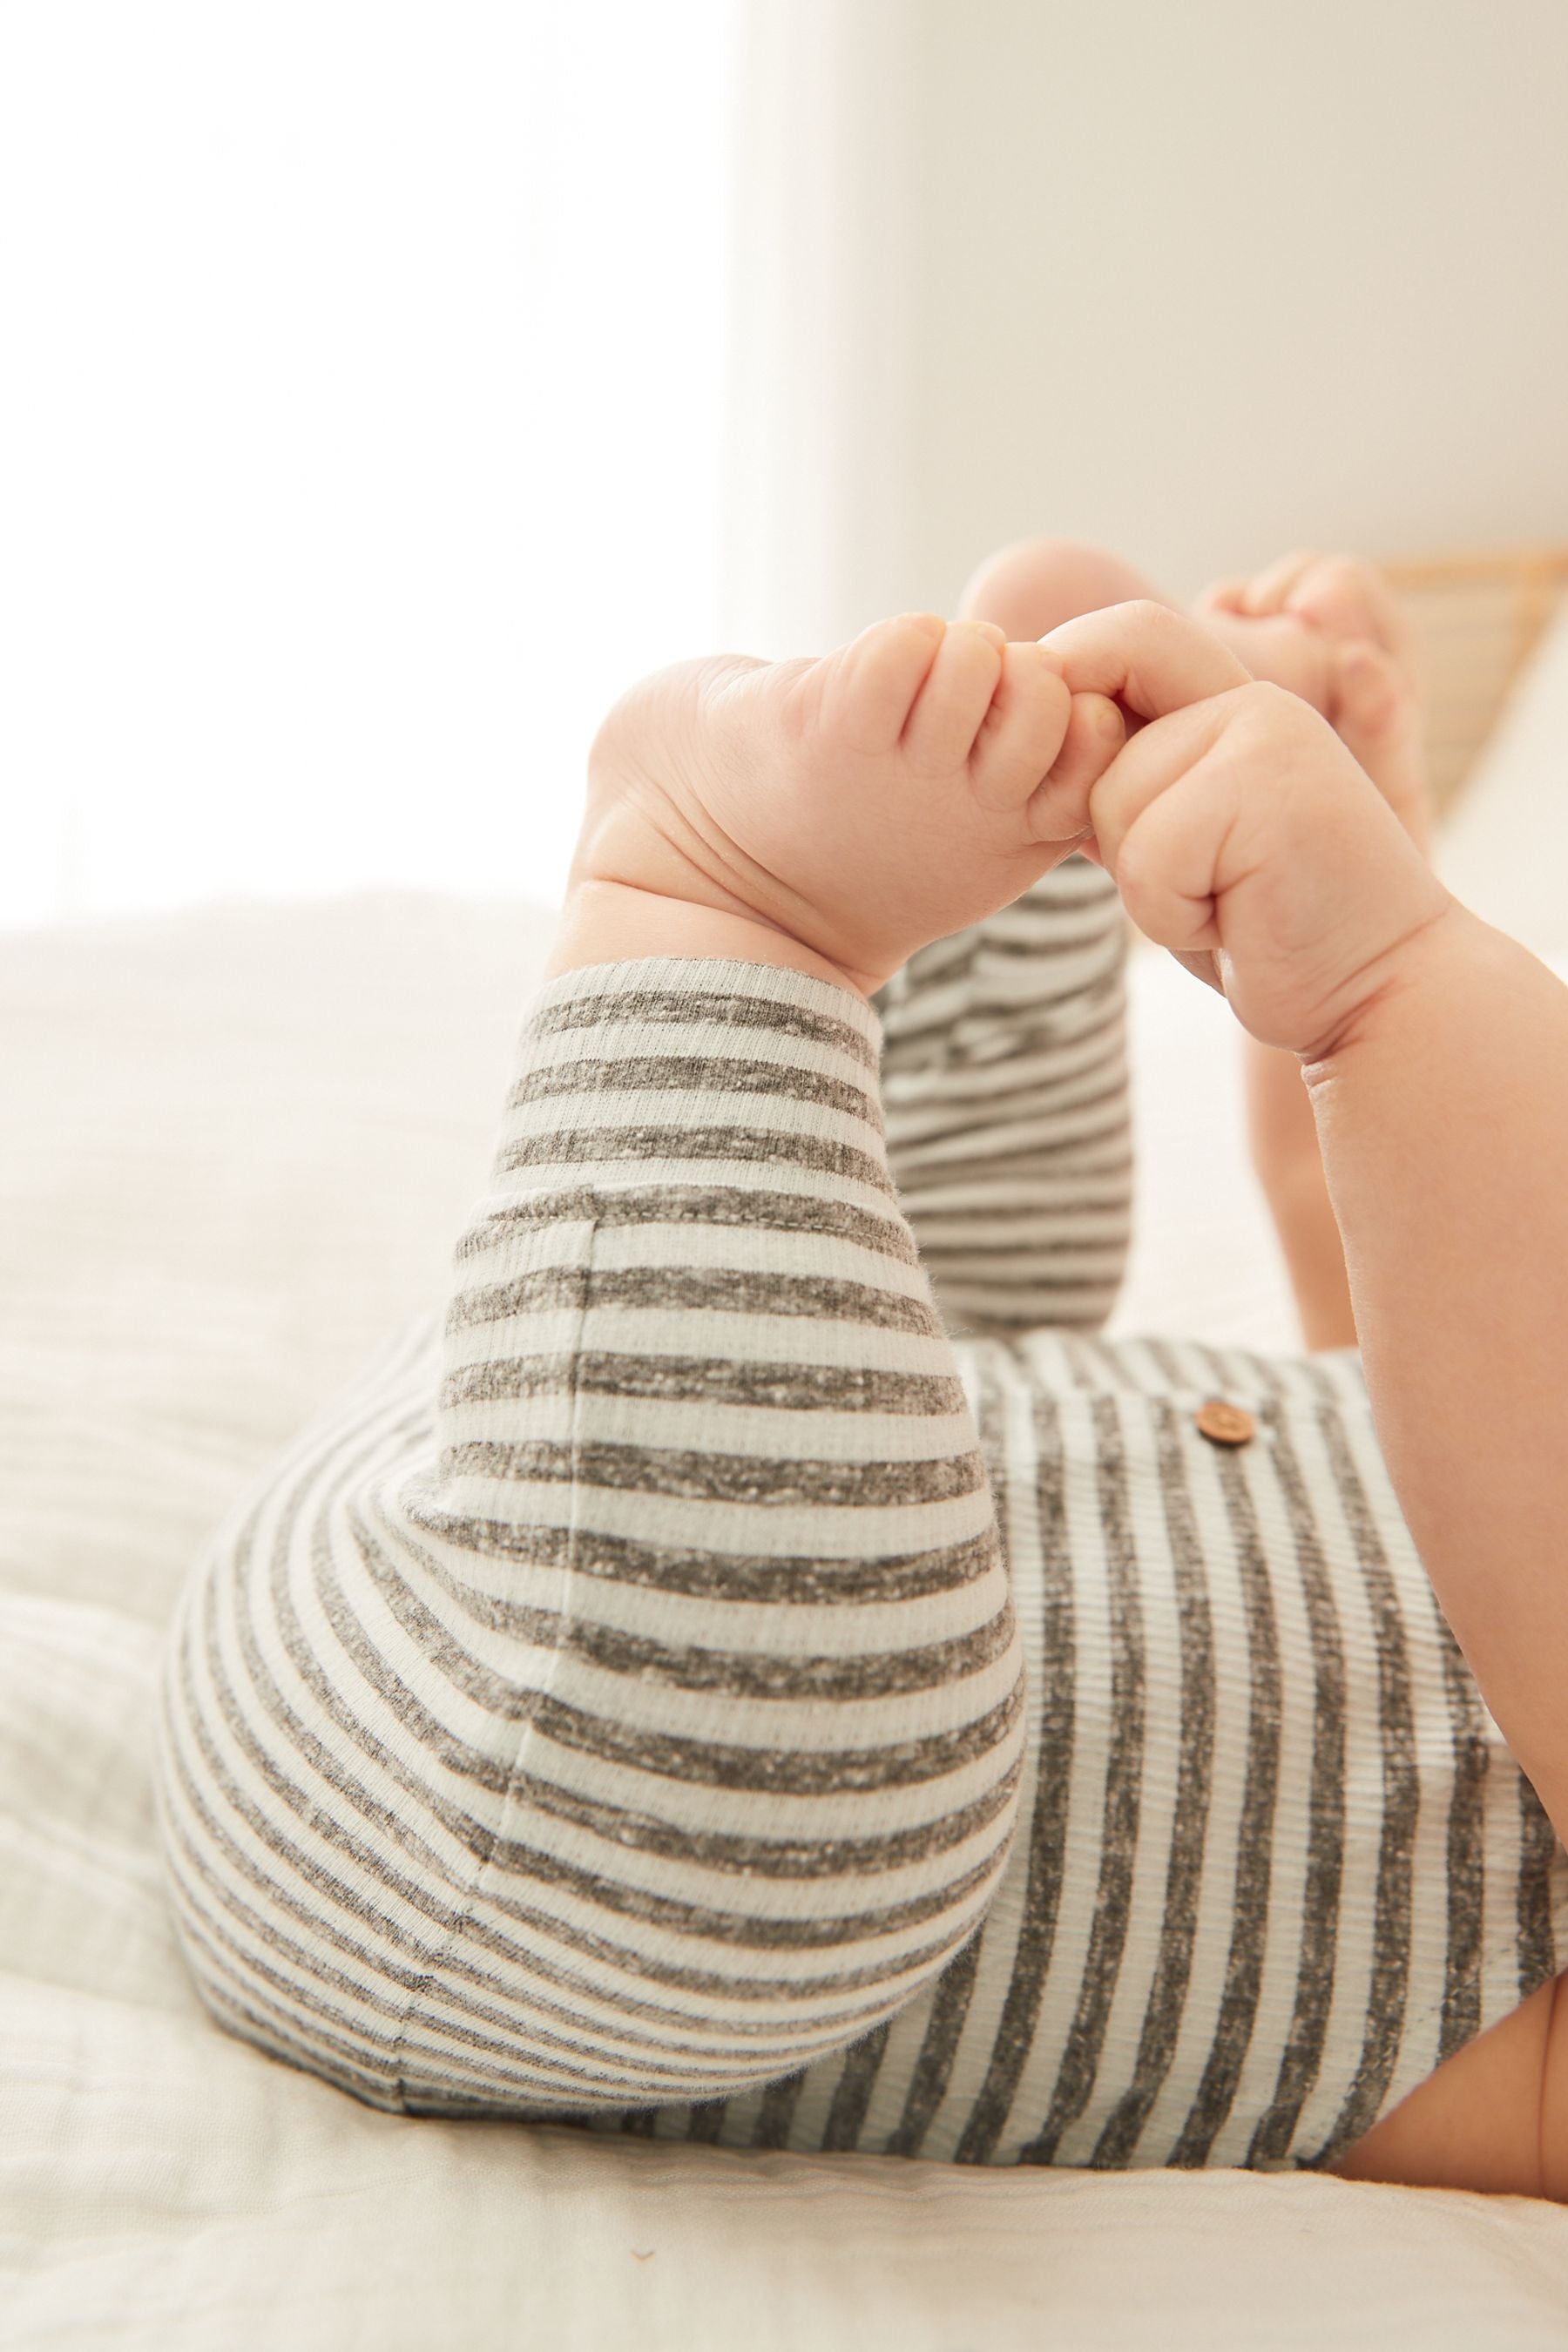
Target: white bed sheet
x=195, y=1107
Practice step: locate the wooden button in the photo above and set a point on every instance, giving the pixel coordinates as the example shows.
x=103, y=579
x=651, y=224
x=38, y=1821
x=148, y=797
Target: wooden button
x=1227, y=1424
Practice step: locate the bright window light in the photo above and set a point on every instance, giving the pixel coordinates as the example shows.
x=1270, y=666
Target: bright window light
x=360, y=431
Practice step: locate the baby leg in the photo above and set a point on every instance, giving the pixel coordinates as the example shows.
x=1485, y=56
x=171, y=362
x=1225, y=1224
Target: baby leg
x=1005, y=1055
x=618, y=1697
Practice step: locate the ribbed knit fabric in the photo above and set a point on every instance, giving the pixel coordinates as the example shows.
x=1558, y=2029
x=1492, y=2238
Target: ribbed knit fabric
x=1006, y=1090
x=630, y=1707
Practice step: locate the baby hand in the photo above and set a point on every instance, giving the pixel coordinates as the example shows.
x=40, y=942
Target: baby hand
x=1331, y=628
x=1241, y=832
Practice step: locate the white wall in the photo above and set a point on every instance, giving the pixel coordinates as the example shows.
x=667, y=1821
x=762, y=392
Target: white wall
x=1207, y=280
x=360, y=391
x=826, y=287
x=365, y=360
x=1204, y=279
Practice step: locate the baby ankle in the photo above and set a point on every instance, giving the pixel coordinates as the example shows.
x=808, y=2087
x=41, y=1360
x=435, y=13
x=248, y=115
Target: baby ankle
x=611, y=922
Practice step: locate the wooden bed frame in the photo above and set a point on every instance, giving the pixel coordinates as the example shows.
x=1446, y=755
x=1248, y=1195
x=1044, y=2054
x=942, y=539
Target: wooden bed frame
x=1476, y=617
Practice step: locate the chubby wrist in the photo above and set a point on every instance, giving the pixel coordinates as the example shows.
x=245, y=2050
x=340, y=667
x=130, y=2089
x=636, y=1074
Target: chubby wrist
x=1437, y=967
x=606, y=923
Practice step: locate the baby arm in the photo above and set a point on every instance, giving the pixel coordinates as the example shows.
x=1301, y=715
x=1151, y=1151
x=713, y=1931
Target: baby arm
x=1435, y=1052
x=1330, y=629
x=1443, y=1117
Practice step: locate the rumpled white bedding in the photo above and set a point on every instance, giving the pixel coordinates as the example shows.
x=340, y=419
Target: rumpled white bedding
x=236, y=1146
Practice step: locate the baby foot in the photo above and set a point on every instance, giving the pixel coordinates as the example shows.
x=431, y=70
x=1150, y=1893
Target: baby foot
x=1331, y=630
x=855, y=807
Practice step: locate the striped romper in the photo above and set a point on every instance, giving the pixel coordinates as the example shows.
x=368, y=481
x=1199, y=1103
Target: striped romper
x=743, y=1676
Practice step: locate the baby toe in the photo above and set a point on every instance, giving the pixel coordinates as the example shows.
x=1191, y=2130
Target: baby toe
x=1268, y=590
x=1096, y=731
x=954, y=697
x=1022, y=730
x=1333, y=595
x=1371, y=695
x=868, y=690
x=1346, y=598
x=1227, y=595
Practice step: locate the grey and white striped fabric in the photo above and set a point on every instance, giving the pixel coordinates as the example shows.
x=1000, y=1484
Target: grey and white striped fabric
x=1004, y=1089
x=714, y=1687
